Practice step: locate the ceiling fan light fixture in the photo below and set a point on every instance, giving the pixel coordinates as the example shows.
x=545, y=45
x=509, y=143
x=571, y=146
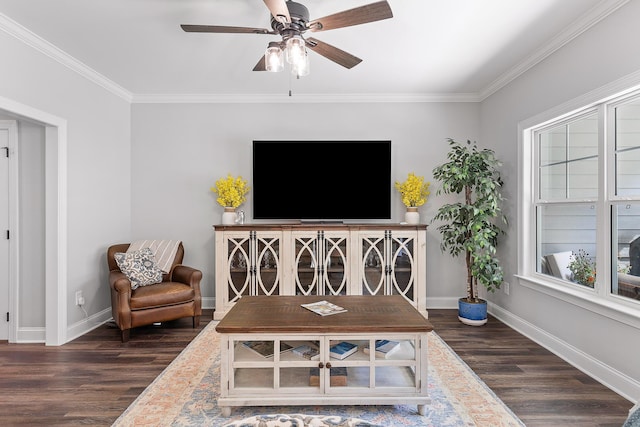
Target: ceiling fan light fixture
x=290, y=20
x=302, y=67
x=274, y=58
x=295, y=51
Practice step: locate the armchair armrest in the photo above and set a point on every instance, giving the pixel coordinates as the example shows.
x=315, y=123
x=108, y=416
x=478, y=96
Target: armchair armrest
x=187, y=275
x=190, y=276
x=120, y=296
x=119, y=282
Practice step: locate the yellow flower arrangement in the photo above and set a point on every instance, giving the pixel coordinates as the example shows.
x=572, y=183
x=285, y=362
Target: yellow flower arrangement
x=414, y=190
x=232, y=192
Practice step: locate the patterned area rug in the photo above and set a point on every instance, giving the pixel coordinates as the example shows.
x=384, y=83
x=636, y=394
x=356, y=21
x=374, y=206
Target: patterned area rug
x=185, y=394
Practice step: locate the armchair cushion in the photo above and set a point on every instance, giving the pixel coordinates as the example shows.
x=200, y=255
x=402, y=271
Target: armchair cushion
x=161, y=295
x=139, y=266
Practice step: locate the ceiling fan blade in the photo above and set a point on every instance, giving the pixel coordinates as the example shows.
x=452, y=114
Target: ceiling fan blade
x=224, y=29
x=333, y=53
x=261, y=65
x=356, y=16
x=279, y=10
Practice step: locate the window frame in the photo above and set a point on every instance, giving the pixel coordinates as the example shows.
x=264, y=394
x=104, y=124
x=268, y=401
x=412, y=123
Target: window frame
x=598, y=299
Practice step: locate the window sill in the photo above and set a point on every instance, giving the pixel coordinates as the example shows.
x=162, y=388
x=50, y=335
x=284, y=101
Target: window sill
x=612, y=307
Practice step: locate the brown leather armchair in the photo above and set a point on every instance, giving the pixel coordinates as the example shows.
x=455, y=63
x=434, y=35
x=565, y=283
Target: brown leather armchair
x=176, y=297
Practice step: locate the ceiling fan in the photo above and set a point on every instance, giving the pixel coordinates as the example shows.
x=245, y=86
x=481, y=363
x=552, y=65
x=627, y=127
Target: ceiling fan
x=290, y=20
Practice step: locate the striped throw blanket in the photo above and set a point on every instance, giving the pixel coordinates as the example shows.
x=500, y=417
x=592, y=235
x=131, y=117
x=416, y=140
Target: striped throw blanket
x=164, y=251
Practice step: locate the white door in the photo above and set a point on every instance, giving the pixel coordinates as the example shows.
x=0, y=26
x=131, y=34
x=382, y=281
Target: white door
x=4, y=226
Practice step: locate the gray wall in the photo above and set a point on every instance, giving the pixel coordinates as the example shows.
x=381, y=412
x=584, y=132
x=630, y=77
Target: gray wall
x=98, y=173
x=180, y=150
x=591, y=61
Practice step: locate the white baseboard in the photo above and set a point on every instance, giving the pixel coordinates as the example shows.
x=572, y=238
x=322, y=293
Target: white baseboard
x=208, y=302
x=88, y=324
x=30, y=335
x=440, y=303
x=33, y=335
x=627, y=387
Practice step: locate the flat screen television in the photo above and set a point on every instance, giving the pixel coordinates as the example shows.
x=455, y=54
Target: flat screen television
x=321, y=180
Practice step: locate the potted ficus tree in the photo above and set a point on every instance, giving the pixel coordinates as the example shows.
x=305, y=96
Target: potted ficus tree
x=471, y=227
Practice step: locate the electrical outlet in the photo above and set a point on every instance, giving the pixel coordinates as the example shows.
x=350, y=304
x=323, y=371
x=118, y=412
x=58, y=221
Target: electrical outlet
x=505, y=287
x=79, y=298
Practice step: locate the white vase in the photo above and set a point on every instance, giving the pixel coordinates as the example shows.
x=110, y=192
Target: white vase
x=412, y=216
x=229, y=216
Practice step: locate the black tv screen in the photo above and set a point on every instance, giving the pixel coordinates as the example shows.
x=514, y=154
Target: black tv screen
x=321, y=180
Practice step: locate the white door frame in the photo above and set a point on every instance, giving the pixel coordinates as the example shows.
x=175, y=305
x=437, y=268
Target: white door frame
x=12, y=262
x=55, y=218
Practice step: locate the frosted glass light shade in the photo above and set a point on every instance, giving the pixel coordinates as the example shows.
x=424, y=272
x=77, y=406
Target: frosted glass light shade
x=302, y=67
x=274, y=58
x=295, y=50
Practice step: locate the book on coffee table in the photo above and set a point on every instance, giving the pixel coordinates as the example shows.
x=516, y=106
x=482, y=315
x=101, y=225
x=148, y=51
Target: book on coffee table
x=324, y=308
x=383, y=348
x=265, y=348
x=307, y=351
x=342, y=349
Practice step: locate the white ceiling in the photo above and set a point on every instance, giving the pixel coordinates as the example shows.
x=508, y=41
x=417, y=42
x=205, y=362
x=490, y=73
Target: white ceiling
x=447, y=48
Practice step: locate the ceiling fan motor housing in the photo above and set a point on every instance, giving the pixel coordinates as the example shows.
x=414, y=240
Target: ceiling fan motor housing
x=299, y=20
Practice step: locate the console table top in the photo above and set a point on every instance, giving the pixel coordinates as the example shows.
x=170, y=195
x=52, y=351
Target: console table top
x=320, y=226
x=284, y=314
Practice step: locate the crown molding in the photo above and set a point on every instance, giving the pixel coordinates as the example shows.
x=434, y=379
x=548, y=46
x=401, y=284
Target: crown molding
x=586, y=21
x=304, y=98
x=41, y=45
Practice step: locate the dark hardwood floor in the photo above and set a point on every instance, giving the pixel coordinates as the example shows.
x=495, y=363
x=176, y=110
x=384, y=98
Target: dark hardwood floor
x=538, y=386
x=93, y=379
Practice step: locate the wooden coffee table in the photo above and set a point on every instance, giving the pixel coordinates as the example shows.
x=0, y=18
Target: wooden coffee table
x=284, y=377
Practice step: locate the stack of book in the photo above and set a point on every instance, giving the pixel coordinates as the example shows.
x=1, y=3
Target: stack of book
x=307, y=351
x=384, y=348
x=338, y=377
x=265, y=348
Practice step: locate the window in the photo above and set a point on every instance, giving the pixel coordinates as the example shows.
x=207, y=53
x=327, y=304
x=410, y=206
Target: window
x=585, y=200
x=625, y=207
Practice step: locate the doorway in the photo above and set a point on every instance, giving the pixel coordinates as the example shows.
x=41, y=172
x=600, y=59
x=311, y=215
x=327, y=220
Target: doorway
x=8, y=203
x=55, y=223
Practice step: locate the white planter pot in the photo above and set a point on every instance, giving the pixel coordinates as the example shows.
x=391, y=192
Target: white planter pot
x=412, y=216
x=229, y=216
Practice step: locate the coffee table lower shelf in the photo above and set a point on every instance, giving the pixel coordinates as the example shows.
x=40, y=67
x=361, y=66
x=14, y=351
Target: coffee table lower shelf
x=285, y=378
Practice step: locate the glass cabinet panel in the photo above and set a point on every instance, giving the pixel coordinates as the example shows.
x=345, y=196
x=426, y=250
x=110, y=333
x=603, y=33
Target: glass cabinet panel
x=299, y=366
x=388, y=263
x=373, y=256
x=321, y=263
x=253, y=264
x=306, y=261
x=335, y=259
x=403, y=263
x=239, y=263
x=267, y=265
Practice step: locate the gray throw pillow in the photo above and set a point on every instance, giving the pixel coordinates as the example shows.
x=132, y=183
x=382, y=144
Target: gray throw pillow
x=139, y=267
